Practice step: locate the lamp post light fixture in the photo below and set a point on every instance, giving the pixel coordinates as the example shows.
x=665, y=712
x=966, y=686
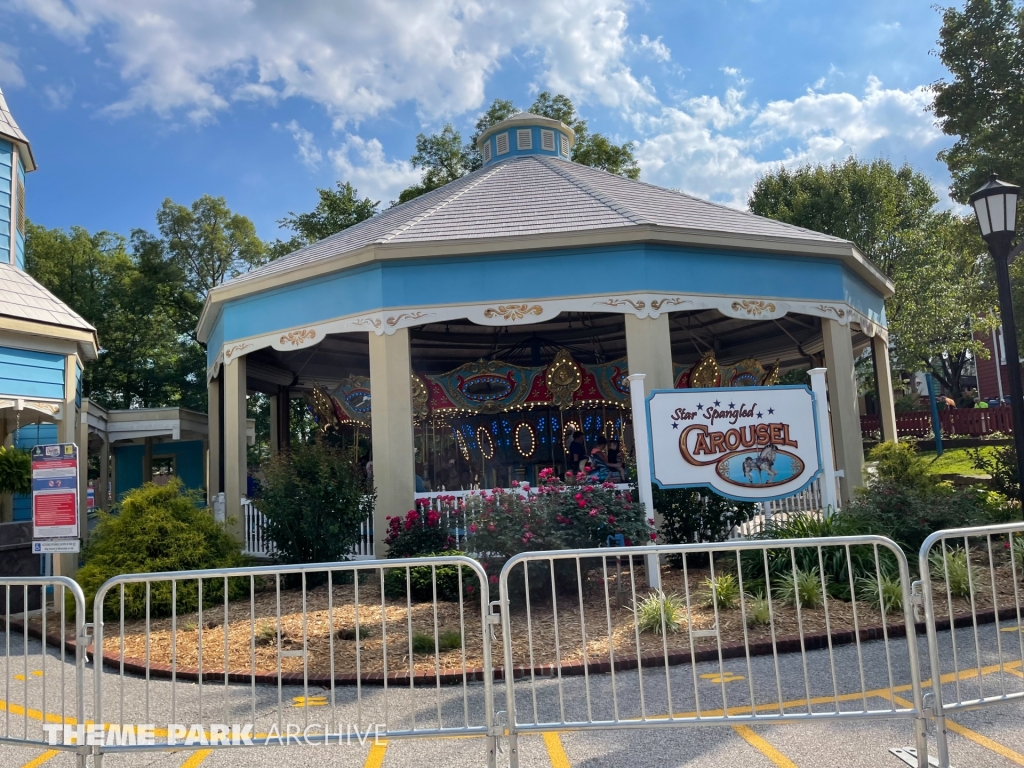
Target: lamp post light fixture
x=995, y=205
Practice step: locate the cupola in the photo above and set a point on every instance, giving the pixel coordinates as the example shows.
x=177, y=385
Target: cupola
x=525, y=134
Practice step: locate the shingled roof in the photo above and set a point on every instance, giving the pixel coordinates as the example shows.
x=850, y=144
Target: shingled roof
x=538, y=195
x=24, y=298
x=10, y=130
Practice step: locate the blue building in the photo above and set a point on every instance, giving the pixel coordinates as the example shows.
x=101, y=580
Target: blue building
x=467, y=332
x=44, y=345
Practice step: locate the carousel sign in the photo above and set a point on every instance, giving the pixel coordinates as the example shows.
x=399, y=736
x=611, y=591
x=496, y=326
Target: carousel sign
x=748, y=443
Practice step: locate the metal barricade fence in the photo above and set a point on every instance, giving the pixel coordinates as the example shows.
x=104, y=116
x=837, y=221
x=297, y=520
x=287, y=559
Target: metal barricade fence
x=45, y=687
x=568, y=616
x=388, y=648
x=975, y=573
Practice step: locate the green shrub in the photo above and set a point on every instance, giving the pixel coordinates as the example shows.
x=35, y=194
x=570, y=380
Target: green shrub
x=423, y=642
x=955, y=571
x=156, y=529
x=420, y=533
x=15, y=471
x=692, y=516
x=723, y=591
x=759, y=610
x=314, y=499
x=900, y=463
x=1017, y=553
x=349, y=633
x=801, y=589
x=659, y=611
x=887, y=599
x=1001, y=463
x=420, y=584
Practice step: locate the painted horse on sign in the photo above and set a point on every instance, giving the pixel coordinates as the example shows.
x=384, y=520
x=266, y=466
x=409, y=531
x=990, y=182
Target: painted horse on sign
x=749, y=443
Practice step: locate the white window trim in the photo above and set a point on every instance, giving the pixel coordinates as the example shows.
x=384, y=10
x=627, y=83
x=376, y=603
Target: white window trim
x=498, y=143
x=524, y=138
x=547, y=140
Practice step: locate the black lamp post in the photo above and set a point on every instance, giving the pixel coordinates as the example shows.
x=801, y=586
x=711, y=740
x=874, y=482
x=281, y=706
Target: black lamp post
x=995, y=205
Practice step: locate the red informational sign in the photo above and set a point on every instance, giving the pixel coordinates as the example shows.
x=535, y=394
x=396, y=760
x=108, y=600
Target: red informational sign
x=55, y=491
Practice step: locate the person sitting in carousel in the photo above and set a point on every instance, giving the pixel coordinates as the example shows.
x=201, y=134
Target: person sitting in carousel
x=601, y=469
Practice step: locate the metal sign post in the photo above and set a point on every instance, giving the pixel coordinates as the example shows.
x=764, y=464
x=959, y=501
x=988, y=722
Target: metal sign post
x=643, y=465
x=55, y=516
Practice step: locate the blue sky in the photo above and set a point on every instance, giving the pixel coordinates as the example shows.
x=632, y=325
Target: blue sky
x=127, y=103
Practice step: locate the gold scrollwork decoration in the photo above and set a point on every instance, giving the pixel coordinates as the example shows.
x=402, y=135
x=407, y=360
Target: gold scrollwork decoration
x=563, y=378
x=754, y=307
x=840, y=313
x=234, y=350
x=298, y=338
x=374, y=321
x=394, y=320
x=513, y=312
x=637, y=305
x=673, y=301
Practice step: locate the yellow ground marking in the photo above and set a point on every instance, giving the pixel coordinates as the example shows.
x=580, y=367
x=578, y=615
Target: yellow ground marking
x=196, y=758
x=34, y=673
x=1012, y=629
x=556, y=752
x=764, y=747
x=721, y=677
x=376, y=757
x=312, y=701
x=46, y=756
x=977, y=738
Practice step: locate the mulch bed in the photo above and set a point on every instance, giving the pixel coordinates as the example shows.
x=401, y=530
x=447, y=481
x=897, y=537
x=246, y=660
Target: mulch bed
x=611, y=635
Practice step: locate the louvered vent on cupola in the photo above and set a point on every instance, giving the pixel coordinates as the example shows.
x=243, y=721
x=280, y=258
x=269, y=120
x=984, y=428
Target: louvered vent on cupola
x=524, y=139
x=547, y=140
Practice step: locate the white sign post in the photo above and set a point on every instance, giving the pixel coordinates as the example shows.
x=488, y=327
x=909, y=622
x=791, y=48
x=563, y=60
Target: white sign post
x=745, y=443
x=643, y=466
x=828, y=465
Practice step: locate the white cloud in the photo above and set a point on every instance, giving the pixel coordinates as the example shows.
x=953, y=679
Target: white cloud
x=309, y=152
x=656, y=48
x=716, y=148
x=10, y=73
x=358, y=59
x=362, y=163
x=58, y=96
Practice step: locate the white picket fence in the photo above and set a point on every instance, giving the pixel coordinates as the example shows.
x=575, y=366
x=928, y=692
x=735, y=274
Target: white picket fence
x=452, y=506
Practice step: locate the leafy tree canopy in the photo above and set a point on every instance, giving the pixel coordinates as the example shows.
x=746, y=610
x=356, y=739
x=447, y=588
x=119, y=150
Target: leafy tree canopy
x=338, y=209
x=444, y=158
x=943, y=286
x=982, y=45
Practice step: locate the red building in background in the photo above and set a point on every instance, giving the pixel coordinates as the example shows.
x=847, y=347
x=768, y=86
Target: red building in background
x=993, y=379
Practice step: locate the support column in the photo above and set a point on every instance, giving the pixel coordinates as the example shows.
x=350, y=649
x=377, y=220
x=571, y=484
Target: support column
x=886, y=402
x=234, y=443
x=649, y=350
x=394, y=466
x=147, y=461
x=83, y=470
x=67, y=432
x=842, y=394
x=214, y=439
x=102, y=500
x=275, y=439
x=284, y=416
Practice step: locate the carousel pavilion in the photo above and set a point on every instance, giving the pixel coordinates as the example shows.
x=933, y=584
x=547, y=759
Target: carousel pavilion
x=464, y=335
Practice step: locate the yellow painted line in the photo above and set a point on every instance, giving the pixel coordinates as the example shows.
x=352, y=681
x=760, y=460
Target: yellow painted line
x=1016, y=672
x=376, y=757
x=41, y=759
x=197, y=758
x=312, y=701
x=977, y=738
x=763, y=747
x=556, y=752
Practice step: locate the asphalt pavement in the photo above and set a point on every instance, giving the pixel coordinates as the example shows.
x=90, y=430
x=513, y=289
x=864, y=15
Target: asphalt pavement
x=842, y=709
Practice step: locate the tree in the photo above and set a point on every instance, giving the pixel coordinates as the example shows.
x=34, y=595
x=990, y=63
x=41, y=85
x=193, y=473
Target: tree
x=337, y=210
x=943, y=291
x=982, y=45
x=208, y=242
x=126, y=296
x=444, y=158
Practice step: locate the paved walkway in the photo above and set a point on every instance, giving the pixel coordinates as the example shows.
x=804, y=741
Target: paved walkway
x=985, y=738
